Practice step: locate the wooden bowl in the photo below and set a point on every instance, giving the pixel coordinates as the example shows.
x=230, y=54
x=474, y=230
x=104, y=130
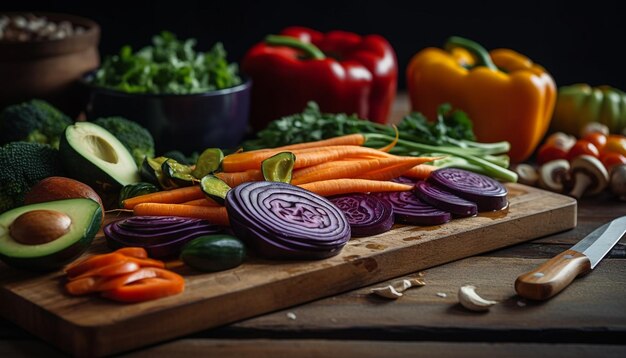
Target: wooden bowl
x=50, y=69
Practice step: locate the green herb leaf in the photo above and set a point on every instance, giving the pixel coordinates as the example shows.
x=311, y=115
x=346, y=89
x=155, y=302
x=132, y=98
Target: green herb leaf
x=168, y=66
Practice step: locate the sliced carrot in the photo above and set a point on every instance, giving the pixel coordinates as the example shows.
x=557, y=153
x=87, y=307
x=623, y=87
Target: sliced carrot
x=174, y=196
x=95, y=262
x=137, y=252
x=114, y=269
x=163, y=283
x=77, y=268
x=346, y=186
x=98, y=283
x=215, y=215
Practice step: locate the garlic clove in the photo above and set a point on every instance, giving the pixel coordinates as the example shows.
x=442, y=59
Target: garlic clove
x=387, y=292
x=395, y=289
x=469, y=299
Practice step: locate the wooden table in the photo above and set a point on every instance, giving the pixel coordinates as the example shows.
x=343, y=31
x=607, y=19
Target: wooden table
x=587, y=319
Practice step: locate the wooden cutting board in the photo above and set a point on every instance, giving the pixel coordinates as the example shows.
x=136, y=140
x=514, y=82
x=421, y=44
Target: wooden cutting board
x=88, y=326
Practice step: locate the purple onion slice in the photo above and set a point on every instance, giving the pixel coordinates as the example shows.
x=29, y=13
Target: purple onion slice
x=409, y=209
x=283, y=221
x=487, y=193
x=444, y=200
x=367, y=215
x=161, y=236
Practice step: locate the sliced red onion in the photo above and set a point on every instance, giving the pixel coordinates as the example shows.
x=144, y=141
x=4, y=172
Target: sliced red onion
x=487, y=193
x=366, y=214
x=409, y=209
x=161, y=236
x=283, y=221
x=444, y=200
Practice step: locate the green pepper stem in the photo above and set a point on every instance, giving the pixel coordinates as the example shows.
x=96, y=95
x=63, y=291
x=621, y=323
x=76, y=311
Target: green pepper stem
x=309, y=49
x=481, y=54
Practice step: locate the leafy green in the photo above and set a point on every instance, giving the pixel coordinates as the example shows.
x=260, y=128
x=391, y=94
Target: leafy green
x=168, y=66
x=451, y=134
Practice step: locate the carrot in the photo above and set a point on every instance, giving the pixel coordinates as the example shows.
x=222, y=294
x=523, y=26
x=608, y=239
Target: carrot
x=346, y=186
x=201, y=202
x=304, y=157
x=388, y=168
x=395, y=171
x=421, y=171
x=348, y=139
x=235, y=178
x=390, y=146
x=174, y=196
x=216, y=215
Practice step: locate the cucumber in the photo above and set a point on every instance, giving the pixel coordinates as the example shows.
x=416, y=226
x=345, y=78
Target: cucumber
x=213, y=252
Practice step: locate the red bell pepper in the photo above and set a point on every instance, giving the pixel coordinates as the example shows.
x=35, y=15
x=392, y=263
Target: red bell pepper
x=341, y=71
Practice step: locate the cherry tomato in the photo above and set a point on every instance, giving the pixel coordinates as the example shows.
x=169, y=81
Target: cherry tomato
x=611, y=159
x=582, y=147
x=616, y=143
x=598, y=139
x=549, y=152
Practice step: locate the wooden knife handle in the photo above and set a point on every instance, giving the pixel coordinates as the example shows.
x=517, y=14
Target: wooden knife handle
x=552, y=276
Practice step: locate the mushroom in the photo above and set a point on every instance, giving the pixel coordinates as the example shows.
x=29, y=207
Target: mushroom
x=594, y=127
x=618, y=181
x=590, y=176
x=553, y=174
x=527, y=174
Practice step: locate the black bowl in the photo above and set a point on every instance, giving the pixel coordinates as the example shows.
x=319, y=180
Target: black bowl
x=189, y=123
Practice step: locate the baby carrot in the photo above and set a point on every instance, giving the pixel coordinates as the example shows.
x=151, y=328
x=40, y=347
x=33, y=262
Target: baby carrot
x=216, y=215
x=346, y=186
x=174, y=196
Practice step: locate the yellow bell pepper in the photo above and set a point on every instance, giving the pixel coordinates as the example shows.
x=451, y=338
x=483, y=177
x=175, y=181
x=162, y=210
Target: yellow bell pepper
x=505, y=94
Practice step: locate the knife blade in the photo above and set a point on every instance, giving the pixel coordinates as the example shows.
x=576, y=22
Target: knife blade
x=555, y=274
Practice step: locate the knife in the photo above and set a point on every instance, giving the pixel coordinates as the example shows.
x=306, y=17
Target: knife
x=555, y=274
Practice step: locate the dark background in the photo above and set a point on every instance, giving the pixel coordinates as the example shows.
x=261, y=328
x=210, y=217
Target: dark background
x=575, y=43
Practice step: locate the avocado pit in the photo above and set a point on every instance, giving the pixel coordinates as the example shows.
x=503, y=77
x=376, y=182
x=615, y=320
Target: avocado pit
x=39, y=227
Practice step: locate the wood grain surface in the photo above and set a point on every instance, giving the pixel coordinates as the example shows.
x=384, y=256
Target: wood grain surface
x=92, y=326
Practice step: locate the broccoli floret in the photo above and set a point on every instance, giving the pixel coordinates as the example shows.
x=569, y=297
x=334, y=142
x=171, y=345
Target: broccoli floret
x=135, y=138
x=34, y=121
x=23, y=165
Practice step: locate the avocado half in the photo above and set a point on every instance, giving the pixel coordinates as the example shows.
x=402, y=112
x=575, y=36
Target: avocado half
x=93, y=155
x=86, y=218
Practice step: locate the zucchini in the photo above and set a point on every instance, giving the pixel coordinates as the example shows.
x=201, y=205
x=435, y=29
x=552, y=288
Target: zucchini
x=211, y=253
x=133, y=190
